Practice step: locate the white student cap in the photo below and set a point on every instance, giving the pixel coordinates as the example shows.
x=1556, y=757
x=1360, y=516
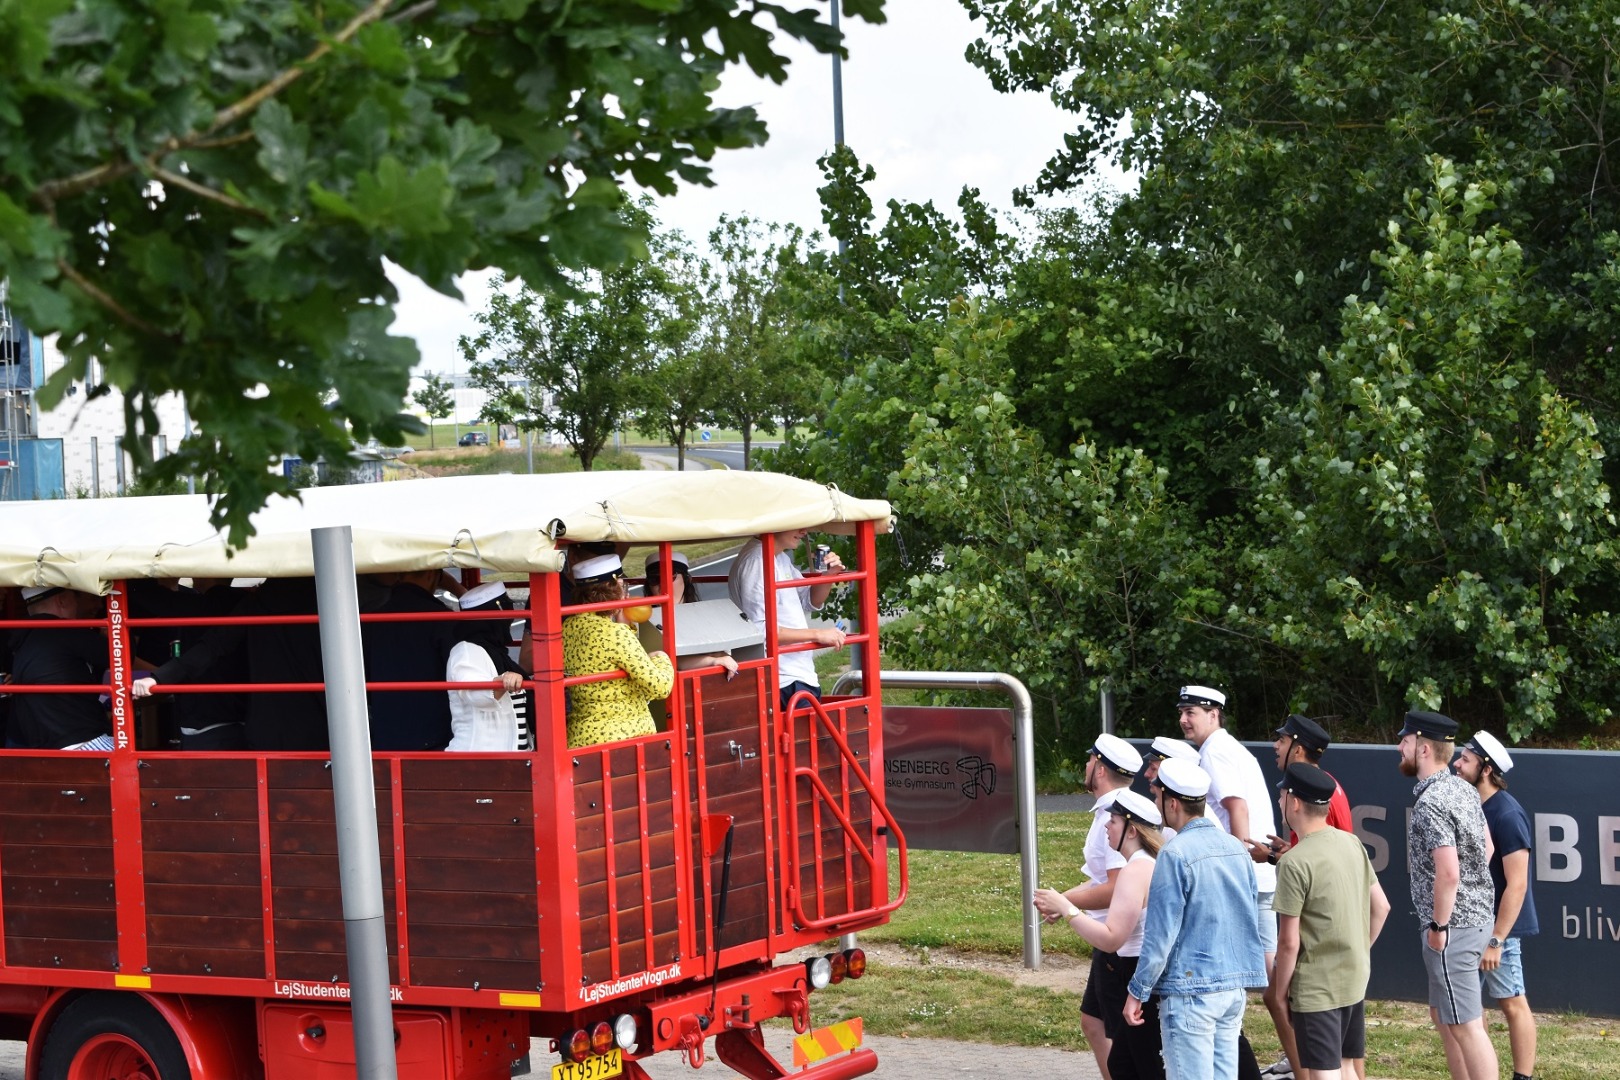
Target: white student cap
x=1183, y=779
x=1163, y=746
x=1117, y=754
x=1133, y=807
x=479, y=595
x=1205, y=697
x=1490, y=748
x=598, y=568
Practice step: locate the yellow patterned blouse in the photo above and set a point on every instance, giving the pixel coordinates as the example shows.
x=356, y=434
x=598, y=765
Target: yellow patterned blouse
x=602, y=712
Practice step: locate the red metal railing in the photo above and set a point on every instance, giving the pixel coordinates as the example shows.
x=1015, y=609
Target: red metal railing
x=804, y=702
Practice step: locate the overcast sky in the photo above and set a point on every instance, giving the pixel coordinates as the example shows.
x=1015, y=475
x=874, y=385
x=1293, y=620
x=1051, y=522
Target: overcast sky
x=914, y=109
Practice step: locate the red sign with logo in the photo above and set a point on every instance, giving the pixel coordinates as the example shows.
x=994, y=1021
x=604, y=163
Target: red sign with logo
x=949, y=777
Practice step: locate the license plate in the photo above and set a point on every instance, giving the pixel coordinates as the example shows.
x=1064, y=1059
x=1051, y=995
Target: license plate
x=599, y=1067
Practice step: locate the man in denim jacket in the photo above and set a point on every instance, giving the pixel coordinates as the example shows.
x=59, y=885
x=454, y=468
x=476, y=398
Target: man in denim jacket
x=1201, y=947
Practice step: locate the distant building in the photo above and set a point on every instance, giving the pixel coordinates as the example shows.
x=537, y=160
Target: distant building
x=75, y=448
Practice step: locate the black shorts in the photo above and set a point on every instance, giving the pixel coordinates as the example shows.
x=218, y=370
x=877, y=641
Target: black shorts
x=1107, y=988
x=1327, y=1038
x=1090, y=1001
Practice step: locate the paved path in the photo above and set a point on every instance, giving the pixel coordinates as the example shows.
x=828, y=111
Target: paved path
x=896, y=1058
x=907, y=1058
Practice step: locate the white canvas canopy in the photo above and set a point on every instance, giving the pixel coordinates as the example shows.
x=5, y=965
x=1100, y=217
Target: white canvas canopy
x=493, y=523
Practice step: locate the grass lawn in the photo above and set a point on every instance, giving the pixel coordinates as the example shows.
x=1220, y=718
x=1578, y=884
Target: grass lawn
x=492, y=460
x=968, y=907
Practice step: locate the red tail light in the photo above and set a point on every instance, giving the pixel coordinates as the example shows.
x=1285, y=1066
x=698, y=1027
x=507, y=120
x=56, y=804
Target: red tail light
x=855, y=962
x=602, y=1038
x=840, y=966
x=578, y=1046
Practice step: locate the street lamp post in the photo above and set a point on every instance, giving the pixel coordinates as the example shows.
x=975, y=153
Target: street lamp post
x=838, y=84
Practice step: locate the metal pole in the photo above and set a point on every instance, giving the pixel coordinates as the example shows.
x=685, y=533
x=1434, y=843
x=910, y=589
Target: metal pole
x=1023, y=734
x=354, y=797
x=1105, y=705
x=838, y=80
x=191, y=478
x=455, y=401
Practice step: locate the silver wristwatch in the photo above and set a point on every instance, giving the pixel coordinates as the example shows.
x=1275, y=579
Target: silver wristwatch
x=1494, y=943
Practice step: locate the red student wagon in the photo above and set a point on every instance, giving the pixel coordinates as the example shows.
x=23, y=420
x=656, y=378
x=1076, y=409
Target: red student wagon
x=170, y=915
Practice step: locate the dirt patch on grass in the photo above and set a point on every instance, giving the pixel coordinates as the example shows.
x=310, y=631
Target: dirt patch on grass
x=1057, y=971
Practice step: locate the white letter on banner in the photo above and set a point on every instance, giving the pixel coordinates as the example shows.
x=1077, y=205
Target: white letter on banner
x=1609, y=850
x=1547, y=849
x=1378, y=847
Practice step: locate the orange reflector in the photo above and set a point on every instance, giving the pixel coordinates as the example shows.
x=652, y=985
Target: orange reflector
x=825, y=1042
x=855, y=962
x=578, y=1046
x=602, y=1038
x=840, y=966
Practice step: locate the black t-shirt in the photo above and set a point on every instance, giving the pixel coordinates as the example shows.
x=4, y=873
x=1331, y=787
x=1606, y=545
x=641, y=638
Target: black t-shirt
x=1509, y=827
x=64, y=657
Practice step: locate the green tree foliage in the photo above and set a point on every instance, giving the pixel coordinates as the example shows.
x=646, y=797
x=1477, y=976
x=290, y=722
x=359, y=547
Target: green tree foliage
x=1274, y=138
x=201, y=196
x=434, y=398
x=763, y=286
x=1061, y=568
x=678, y=391
x=574, y=359
x=872, y=325
x=1344, y=466
x=1437, y=529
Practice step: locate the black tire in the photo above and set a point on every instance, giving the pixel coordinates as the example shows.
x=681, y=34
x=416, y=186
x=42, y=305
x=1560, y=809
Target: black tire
x=121, y=1028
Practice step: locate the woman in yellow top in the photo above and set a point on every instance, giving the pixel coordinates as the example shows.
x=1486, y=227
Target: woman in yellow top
x=596, y=642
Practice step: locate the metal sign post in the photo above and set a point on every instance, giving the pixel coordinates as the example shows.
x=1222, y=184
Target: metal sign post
x=355, y=800
x=1023, y=739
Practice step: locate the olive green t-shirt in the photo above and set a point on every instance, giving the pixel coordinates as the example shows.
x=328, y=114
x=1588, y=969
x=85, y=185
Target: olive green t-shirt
x=1325, y=879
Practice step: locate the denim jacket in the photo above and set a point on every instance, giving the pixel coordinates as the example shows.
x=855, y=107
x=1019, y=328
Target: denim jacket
x=1202, y=932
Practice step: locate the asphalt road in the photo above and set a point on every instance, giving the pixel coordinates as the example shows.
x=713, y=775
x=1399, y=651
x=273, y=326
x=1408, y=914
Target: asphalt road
x=698, y=455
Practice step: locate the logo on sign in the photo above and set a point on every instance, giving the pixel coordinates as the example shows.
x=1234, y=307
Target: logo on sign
x=980, y=774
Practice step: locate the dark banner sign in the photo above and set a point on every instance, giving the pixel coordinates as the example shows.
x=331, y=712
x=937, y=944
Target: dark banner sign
x=1573, y=800
x=949, y=780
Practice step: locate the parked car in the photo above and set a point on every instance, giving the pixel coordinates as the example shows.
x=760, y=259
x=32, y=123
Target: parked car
x=475, y=438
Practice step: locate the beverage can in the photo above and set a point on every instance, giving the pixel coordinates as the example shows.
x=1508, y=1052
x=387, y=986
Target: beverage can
x=818, y=560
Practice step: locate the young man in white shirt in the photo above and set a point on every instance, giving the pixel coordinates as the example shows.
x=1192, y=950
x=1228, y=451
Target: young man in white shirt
x=746, y=585
x=1242, y=805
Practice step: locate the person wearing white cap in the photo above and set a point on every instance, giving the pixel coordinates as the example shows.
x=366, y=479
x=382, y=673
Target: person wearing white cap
x=1111, y=765
x=1133, y=830
x=595, y=643
x=682, y=590
x=1484, y=762
x=59, y=657
x=1200, y=954
x=483, y=719
x=1242, y=803
x=795, y=671
x=1162, y=747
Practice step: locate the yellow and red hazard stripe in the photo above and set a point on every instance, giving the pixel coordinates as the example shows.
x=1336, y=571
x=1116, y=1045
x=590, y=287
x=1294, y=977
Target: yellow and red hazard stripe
x=825, y=1042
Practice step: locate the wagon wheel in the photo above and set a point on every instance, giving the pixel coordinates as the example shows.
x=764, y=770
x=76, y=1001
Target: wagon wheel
x=112, y=1037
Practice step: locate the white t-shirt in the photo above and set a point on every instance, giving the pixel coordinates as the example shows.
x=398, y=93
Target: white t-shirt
x=746, y=585
x=478, y=719
x=1100, y=857
x=1132, y=945
x=1234, y=772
